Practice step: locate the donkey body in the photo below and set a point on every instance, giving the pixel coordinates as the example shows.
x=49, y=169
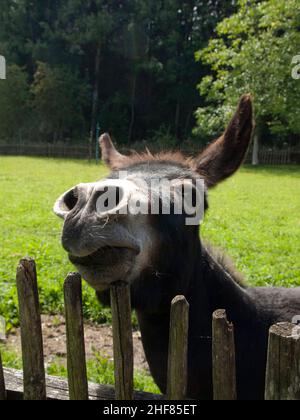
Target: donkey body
x=161, y=257
x=252, y=311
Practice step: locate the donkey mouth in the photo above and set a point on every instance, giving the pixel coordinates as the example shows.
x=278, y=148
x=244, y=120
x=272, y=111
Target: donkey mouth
x=104, y=256
x=106, y=266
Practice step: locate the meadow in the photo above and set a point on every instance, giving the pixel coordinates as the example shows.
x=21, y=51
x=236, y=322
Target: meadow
x=254, y=217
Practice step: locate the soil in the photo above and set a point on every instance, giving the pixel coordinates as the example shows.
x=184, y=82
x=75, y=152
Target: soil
x=97, y=338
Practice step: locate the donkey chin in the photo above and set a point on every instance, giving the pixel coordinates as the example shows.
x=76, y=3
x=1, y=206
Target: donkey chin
x=101, y=262
x=106, y=266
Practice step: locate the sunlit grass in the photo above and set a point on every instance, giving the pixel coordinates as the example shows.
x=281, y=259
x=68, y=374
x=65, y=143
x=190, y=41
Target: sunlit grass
x=100, y=370
x=28, y=227
x=255, y=217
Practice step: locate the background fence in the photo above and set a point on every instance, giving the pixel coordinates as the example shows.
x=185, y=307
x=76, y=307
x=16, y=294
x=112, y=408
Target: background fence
x=266, y=156
x=282, y=372
x=269, y=156
x=45, y=150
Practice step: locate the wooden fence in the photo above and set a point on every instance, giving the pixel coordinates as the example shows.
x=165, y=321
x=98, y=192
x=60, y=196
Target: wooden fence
x=266, y=156
x=283, y=366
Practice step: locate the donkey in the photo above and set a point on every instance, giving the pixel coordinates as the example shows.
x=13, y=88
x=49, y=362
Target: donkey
x=162, y=256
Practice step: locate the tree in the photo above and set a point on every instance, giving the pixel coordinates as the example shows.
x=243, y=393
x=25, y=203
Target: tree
x=88, y=27
x=59, y=102
x=252, y=52
x=176, y=29
x=14, y=103
x=22, y=27
x=136, y=56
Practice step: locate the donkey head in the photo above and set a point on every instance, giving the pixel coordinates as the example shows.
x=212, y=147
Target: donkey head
x=134, y=225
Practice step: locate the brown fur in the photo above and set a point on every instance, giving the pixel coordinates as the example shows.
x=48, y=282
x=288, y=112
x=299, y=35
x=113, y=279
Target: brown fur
x=217, y=162
x=167, y=157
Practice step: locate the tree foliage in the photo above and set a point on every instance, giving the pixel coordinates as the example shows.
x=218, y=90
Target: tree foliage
x=59, y=100
x=14, y=103
x=130, y=61
x=253, y=52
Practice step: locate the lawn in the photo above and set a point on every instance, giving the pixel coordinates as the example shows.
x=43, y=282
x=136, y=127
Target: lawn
x=29, y=188
x=100, y=370
x=254, y=216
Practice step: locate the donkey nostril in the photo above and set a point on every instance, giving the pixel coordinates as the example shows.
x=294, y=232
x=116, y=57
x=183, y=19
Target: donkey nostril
x=108, y=198
x=71, y=199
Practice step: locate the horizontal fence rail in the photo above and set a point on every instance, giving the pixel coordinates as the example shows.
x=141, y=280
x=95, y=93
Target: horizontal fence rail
x=58, y=389
x=282, y=371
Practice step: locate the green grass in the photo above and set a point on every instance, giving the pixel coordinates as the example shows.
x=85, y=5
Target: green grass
x=100, y=370
x=29, y=188
x=255, y=217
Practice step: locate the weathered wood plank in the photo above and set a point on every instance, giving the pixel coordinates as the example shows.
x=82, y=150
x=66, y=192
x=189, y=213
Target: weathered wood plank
x=31, y=331
x=2, y=382
x=122, y=338
x=76, y=359
x=283, y=366
x=223, y=353
x=58, y=389
x=178, y=349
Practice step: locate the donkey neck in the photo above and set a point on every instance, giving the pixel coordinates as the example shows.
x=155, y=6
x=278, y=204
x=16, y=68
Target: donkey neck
x=210, y=288
x=223, y=291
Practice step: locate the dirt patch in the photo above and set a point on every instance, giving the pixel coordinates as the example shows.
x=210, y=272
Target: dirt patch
x=97, y=338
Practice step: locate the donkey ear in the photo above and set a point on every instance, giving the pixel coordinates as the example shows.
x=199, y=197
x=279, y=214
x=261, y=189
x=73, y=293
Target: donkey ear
x=224, y=157
x=110, y=155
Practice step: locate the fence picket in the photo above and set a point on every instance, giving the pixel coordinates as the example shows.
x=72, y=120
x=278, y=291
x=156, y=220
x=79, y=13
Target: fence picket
x=31, y=331
x=178, y=349
x=2, y=382
x=223, y=353
x=77, y=374
x=283, y=366
x=122, y=338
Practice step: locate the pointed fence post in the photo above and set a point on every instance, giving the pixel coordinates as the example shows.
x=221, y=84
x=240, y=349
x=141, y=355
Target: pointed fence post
x=31, y=331
x=123, y=342
x=283, y=366
x=223, y=353
x=178, y=349
x=2, y=383
x=76, y=359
